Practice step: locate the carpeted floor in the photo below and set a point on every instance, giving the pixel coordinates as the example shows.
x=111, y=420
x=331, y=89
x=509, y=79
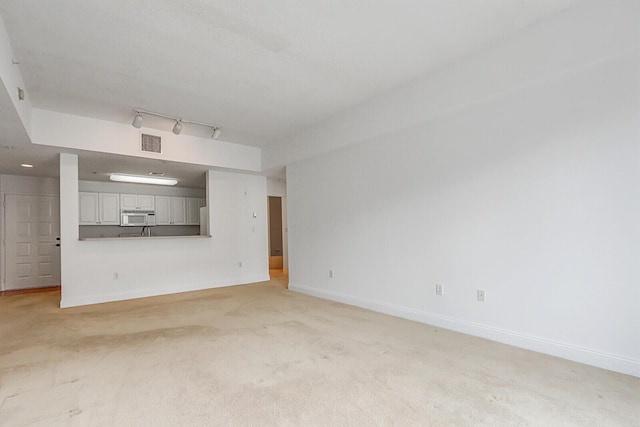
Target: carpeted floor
x=260, y=355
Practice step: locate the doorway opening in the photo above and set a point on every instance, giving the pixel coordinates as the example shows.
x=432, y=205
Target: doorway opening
x=277, y=237
x=31, y=255
x=275, y=233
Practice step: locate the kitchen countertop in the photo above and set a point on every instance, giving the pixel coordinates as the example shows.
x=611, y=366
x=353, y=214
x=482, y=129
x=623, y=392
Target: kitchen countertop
x=86, y=239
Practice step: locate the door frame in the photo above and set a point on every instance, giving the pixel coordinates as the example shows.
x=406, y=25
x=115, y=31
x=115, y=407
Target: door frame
x=3, y=194
x=284, y=233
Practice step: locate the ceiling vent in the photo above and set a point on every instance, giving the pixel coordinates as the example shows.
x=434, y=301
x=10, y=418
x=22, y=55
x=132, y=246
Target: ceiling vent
x=151, y=144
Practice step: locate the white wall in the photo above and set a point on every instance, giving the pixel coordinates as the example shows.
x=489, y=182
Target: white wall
x=530, y=192
x=84, y=133
x=593, y=31
x=276, y=187
x=148, y=267
x=12, y=79
x=15, y=184
x=33, y=185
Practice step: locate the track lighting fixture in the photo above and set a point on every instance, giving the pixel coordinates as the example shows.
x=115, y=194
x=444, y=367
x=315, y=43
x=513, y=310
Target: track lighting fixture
x=137, y=121
x=177, y=127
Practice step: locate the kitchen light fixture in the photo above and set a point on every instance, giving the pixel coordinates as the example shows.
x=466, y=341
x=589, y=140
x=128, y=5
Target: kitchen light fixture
x=26, y=165
x=137, y=121
x=142, y=179
x=177, y=127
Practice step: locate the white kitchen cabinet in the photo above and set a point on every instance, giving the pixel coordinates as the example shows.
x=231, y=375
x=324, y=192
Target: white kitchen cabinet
x=163, y=210
x=193, y=210
x=99, y=208
x=146, y=202
x=128, y=201
x=143, y=202
x=179, y=210
x=88, y=208
x=171, y=210
x=109, y=208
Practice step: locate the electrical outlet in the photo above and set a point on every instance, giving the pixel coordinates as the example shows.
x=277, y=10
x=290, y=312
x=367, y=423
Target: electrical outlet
x=240, y=264
x=330, y=274
x=116, y=276
x=438, y=289
x=480, y=295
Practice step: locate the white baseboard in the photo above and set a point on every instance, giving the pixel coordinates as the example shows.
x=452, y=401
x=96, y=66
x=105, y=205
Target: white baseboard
x=587, y=356
x=74, y=301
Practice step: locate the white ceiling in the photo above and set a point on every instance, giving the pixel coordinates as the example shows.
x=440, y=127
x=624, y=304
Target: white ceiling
x=260, y=70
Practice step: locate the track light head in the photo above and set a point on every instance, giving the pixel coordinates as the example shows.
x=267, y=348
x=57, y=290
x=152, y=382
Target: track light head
x=137, y=121
x=216, y=133
x=177, y=128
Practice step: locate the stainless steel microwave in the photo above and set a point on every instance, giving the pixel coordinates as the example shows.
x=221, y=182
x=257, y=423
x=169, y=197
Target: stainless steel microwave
x=133, y=218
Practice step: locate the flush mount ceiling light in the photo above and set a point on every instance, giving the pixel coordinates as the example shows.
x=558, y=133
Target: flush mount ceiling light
x=26, y=165
x=177, y=127
x=142, y=179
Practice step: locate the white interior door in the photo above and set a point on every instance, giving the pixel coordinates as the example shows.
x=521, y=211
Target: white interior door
x=32, y=225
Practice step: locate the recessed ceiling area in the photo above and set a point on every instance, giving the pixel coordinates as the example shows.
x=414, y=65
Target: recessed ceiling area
x=258, y=70
x=99, y=166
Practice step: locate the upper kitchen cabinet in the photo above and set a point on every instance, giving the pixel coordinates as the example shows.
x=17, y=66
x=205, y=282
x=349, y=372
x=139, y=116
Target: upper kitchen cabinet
x=99, y=208
x=193, y=210
x=179, y=210
x=171, y=210
x=141, y=202
x=163, y=210
x=109, y=208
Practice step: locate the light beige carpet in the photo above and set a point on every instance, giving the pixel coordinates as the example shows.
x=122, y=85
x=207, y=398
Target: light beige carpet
x=261, y=355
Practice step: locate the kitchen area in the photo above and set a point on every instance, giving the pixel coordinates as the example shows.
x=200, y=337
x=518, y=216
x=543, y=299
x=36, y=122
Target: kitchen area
x=115, y=261
x=151, y=199
x=118, y=210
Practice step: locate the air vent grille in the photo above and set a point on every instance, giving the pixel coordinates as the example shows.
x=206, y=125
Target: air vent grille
x=151, y=144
